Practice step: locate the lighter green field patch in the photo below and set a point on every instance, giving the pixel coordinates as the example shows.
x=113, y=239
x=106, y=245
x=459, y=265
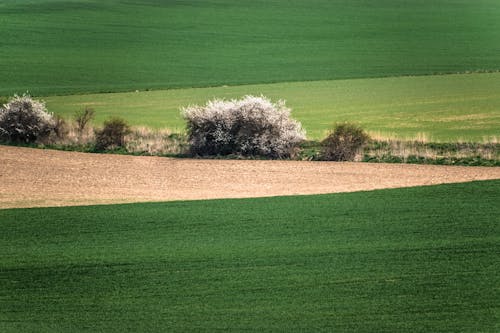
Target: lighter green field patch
x=442, y=108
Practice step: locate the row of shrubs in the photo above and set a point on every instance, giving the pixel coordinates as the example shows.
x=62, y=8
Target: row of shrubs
x=26, y=120
x=251, y=126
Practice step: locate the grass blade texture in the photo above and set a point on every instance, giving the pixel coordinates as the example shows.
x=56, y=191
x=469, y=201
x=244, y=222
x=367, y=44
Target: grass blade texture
x=63, y=46
x=419, y=259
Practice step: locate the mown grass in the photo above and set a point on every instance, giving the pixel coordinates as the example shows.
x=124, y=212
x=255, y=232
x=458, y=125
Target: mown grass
x=61, y=46
x=419, y=259
x=442, y=108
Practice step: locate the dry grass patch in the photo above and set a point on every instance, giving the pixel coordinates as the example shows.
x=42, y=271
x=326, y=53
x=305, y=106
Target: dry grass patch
x=147, y=141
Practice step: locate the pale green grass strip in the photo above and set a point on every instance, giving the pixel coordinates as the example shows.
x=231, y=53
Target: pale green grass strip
x=441, y=108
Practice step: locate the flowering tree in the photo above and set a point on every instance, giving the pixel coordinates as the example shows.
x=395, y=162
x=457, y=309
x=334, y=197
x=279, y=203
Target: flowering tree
x=24, y=119
x=251, y=126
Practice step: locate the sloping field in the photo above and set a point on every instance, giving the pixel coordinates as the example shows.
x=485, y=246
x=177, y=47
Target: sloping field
x=35, y=177
x=405, y=260
x=443, y=107
x=63, y=46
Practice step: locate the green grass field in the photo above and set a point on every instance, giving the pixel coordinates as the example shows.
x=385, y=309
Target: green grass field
x=443, y=107
x=419, y=259
x=66, y=46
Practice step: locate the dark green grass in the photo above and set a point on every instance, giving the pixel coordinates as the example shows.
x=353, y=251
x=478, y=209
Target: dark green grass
x=62, y=46
x=407, y=260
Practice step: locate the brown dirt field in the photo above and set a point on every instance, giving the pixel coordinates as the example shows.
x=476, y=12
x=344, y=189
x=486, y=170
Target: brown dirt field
x=41, y=178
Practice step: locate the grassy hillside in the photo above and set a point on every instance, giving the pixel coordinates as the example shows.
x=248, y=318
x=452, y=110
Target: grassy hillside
x=63, y=46
x=445, y=108
x=407, y=260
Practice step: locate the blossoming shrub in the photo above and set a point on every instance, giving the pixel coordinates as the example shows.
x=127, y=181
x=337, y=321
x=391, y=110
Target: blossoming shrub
x=24, y=119
x=251, y=126
x=343, y=143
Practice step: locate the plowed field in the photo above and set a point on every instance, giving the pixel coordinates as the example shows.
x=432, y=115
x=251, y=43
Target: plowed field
x=41, y=178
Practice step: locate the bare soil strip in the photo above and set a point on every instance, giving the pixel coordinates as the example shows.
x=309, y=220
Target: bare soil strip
x=42, y=178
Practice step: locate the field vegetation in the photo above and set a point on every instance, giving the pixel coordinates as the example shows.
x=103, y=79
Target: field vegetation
x=422, y=152
x=403, y=260
x=115, y=75
x=53, y=47
x=446, y=108
x=252, y=127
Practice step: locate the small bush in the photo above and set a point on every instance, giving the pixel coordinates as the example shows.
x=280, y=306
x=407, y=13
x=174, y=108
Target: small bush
x=24, y=119
x=252, y=126
x=343, y=143
x=112, y=135
x=83, y=118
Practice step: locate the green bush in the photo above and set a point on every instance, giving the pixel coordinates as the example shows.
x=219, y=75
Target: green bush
x=112, y=135
x=343, y=142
